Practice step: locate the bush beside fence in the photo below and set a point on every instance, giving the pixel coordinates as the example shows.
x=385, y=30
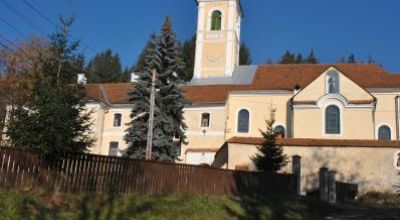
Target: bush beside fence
x=94, y=173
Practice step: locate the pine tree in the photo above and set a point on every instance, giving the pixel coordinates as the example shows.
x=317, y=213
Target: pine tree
x=270, y=157
x=53, y=121
x=163, y=54
x=351, y=59
x=105, y=67
x=287, y=58
x=311, y=58
x=244, y=55
x=299, y=58
x=189, y=53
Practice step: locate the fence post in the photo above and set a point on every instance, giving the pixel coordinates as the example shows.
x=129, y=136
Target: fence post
x=296, y=169
x=323, y=184
x=332, y=186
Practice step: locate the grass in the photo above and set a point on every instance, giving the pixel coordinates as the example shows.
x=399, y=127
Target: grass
x=379, y=199
x=18, y=205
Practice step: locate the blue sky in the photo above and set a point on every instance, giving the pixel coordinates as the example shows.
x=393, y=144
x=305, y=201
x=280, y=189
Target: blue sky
x=332, y=28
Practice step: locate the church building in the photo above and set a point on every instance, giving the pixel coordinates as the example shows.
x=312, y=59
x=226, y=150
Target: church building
x=341, y=116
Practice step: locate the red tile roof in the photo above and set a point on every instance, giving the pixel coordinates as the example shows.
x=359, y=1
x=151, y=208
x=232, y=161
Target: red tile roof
x=267, y=77
x=201, y=150
x=317, y=142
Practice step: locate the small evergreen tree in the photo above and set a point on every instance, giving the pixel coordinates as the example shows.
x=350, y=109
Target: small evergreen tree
x=105, y=67
x=311, y=58
x=288, y=58
x=244, y=55
x=352, y=59
x=270, y=157
x=164, y=55
x=299, y=58
x=53, y=120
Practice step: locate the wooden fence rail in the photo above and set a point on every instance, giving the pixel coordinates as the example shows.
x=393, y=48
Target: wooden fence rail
x=93, y=173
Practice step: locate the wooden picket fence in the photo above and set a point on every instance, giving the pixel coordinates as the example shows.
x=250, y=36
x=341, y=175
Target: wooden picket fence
x=23, y=169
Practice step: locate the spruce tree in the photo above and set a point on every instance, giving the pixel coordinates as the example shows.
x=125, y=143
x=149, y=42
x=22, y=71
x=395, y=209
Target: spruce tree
x=105, y=67
x=311, y=58
x=189, y=53
x=244, y=55
x=352, y=59
x=53, y=121
x=287, y=58
x=270, y=157
x=299, y=58
x=163, y=55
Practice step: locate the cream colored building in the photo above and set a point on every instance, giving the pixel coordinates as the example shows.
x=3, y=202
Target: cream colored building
x=343, y=116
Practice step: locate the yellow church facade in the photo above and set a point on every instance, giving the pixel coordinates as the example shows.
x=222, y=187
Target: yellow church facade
x=342, y=116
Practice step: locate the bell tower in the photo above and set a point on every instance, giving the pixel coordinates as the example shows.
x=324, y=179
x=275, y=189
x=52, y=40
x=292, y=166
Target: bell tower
x=218, y=38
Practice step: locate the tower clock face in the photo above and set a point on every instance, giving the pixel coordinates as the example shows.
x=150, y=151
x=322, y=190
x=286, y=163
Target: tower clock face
x=214, y=59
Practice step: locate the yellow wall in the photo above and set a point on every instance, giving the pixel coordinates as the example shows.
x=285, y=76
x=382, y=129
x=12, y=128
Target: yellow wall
x=214, y=136
x=375, y=173
x=259, y=106
x=386, y=112
x=357, y=123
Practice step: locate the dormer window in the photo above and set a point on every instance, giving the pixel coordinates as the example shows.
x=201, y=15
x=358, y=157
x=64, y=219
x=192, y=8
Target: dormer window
x=205, y=120
x=332, y=83
x=216, y=20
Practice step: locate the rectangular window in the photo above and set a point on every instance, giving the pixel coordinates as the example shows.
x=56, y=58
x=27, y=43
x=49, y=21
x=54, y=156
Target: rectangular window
x=117, y=120
x=205, y=120
x=114, y=151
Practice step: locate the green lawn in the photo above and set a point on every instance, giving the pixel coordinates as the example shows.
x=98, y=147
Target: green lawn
x=89, y=206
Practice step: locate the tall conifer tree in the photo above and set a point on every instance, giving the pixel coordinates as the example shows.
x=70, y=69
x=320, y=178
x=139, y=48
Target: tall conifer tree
x=164, y=55
x=53, y=121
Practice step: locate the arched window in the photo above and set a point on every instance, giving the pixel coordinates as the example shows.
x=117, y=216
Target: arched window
x=243, y=121
x=117, y=120
x=114, y=151
x=333, y=83
x=279, y=131
x=205, y=120
x=384, y=133
x=332, y=120
x=216, y=20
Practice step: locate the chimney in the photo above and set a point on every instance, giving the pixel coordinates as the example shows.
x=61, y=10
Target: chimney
x=82, y=79
x=134, y=77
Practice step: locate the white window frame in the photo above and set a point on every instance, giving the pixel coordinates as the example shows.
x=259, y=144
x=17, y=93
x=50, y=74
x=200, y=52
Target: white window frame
x=201, y=118
x=113, y=120
x=379, y=126
x=237, y=121
x=324, y=119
